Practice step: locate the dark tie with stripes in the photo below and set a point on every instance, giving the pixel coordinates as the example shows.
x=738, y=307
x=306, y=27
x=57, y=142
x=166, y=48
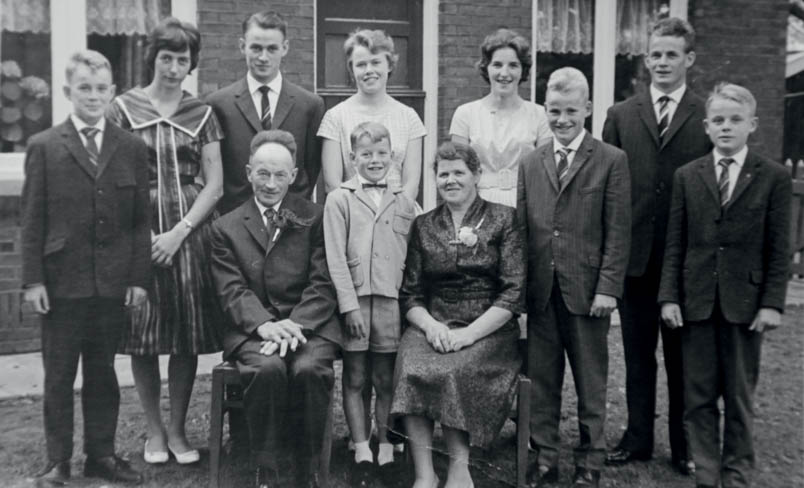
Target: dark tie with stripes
x=563, y=165
x=664, y=115
x=91, y=145
x=265, y=114
x=723, y=181
x=270, y=213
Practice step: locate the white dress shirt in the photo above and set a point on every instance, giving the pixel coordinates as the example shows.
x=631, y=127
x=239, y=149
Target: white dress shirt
x=672, y=105
x=275, y=86
x=262, y=208
x=80, y=124
x=734, y=168
x=572, y=146
x=374, y=193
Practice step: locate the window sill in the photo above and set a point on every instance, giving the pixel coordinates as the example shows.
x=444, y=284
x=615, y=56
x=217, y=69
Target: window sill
x=12, y=173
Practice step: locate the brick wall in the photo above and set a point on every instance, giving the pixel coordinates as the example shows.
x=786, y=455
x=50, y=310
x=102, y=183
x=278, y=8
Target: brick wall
x=462, y=26
x=743, y=41
x=220, y=25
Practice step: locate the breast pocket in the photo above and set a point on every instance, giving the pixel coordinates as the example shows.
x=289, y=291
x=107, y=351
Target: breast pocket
x=401, y=223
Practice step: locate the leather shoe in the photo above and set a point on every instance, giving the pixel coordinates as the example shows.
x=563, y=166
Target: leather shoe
x=266, y=478
x=541, y=475
x=53, y=474
x=684, y=466
x=619, y=456
x=111, y=468
x=362, y=474
x=586, y=477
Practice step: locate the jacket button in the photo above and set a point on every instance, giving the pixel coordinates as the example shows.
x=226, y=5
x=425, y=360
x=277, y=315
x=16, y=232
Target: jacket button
x=100, y=192
x=552, y=263
x=556, y=233
x=658, y=191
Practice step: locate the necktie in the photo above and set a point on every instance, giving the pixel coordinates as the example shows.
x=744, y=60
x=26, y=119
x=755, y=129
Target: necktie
x=664, y=115
x=374, y=185
x=723, y=181
x=265, y=116
x=563, y=165
x=91, y=145
x=270, y=213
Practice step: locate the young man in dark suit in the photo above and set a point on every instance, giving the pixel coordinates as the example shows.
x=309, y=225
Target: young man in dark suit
x=724, y=281
x=574, y=198
x=86, y=255
x=659, y=130
x=264, y=100
x=269, y=266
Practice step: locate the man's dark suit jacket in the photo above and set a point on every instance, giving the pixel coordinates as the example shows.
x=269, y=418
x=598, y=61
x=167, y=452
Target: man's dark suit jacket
x=260, y=280
x=298, y=111
x=580, y=232
x=741, y=254
x=86, y=229
x=631, y=125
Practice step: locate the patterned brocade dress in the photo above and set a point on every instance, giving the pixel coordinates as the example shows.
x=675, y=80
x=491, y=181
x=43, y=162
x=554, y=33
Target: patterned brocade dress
x=181, y=315
x=472, y=389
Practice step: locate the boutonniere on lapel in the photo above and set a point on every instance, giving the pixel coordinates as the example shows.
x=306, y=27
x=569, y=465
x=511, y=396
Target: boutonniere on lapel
x=286, y=219
x=467, y=236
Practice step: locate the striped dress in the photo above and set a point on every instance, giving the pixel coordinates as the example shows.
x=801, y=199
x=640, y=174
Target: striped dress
x=181, y=315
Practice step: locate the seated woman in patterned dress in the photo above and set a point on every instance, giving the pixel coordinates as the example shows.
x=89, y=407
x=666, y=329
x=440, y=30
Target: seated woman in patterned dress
x=463, y=289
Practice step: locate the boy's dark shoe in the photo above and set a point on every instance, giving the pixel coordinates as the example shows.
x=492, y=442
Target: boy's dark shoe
x=111, y=468
x=266, y=478
x=53, y=474
x=684, y=466
x=362, y=474
x=541, y=475
x=586, y=477
x=620, y=456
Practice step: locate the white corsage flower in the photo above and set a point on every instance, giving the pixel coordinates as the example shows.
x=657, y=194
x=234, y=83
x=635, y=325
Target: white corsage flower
x=468, y=235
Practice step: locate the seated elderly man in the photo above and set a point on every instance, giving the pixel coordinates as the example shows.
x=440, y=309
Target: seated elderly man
x=269, y=266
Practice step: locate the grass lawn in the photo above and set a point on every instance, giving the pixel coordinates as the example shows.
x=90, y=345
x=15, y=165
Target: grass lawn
x=778, y=432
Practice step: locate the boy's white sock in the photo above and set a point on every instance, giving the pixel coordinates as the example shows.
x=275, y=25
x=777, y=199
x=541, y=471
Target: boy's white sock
x=386, y=454
x=363, y=452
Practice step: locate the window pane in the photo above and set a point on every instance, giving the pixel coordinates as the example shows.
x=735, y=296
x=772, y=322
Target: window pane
x=25, y=81
x=634, y=20
x=119, y=30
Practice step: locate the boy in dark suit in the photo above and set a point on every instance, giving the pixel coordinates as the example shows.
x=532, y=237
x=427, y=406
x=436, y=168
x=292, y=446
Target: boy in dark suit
x=263, y=100
x=660, y=130
x=270, y=269
x=86, y=255
x=574, y=197
x=725, y=272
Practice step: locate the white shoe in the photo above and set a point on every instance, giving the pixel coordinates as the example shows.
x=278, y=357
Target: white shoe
x=155, y=457
x=188, y=457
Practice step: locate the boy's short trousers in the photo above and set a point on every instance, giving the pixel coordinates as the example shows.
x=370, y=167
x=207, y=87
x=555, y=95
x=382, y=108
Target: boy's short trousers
x=381, y=314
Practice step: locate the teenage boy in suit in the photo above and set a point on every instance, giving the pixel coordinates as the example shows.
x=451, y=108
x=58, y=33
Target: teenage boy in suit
x=264, y=100
x=269, y=266
x=724, y=281
x=86, y=255
x=574, y=197
x=659, y=130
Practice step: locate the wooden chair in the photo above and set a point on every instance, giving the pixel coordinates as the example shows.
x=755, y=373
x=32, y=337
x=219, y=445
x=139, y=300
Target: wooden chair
x=227, y=397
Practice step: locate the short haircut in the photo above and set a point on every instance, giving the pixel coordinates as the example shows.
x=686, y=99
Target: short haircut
x=566, y=80
x=281, y=137
x=675, y=27
x=376, y=41
x=450, y=151
x=505, y=38
x=172, y=34
x=267, y=19
x=735, y=93
x=375, y=131
x=91, y=59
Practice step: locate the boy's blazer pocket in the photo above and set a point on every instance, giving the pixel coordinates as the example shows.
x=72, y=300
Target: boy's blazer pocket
x=356, y=271
x=53, y=245
x=402, y=222
x=124, y=182
x=757, y=276
x=594, y=260
x=590, y=189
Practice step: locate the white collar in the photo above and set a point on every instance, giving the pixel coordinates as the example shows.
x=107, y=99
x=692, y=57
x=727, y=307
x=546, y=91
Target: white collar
x=80, y=124
x=738, y=157
x=573, y=145
x=262, y=208
x=674, y=95
x=253, y=85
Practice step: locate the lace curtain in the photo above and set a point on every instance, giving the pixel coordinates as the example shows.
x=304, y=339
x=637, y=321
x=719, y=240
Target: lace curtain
x=567, y=26
x=104, y=17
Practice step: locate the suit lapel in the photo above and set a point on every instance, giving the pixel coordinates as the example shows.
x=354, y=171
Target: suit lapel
x=283, y=105
x=685, y=109
x=245, y=103
x=253, y=222
x=748, y=173
x=388, y=198
x=74, y=144
x=648, y=115
x=584, y=151
x=706, y=170
x=549, y=163
x=108, y=147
